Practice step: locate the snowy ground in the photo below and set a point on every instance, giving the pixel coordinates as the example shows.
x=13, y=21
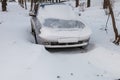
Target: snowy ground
x=21, y=59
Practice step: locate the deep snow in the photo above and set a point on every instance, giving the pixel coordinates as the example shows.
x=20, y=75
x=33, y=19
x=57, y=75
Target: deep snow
x=21, y=59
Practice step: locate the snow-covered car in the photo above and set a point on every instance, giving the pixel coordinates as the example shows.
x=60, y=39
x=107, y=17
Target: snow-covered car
x=57, y=26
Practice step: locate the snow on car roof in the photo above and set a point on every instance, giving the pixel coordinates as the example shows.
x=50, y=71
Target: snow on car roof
x=59, y=23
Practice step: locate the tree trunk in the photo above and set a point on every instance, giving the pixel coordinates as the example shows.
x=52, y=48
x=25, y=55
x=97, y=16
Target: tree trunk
x=88, y=3
x=21, y=3
x=117, y=37
x=52, y=1
x=25, y=5
x=77, y=3
x=4, y=4
x=56, y=1
x=31, y=6
x=36, y=6
x=105, y=4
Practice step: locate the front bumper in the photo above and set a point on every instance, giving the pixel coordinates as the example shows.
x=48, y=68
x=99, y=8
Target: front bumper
x=66, y=45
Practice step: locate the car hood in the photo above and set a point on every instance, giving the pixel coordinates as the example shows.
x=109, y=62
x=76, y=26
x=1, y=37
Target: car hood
x=50, y=33
x=63, y=28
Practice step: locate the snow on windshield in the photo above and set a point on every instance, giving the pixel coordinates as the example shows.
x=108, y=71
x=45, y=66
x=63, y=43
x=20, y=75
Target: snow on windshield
x=59, y=23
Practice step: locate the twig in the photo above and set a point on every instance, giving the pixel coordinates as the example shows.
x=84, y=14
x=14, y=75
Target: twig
x=107, y=23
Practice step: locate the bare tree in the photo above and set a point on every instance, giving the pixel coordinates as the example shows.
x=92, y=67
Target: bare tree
x=21, y=3
x=52, y=1
x=4, y=5
x=105, y=4
x=25, y=4
x=31, y=6
x=88, y=3
x=77, y=3
x=56, y=1
x=117, y=36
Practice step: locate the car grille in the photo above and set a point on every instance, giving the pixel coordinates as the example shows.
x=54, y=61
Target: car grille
x=73, y=43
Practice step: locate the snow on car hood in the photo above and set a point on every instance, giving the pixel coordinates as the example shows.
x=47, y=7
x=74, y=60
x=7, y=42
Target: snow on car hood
x=55, y=34
x=59, y=28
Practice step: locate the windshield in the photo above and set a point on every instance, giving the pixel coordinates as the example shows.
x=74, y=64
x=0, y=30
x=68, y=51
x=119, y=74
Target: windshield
x=59, y=23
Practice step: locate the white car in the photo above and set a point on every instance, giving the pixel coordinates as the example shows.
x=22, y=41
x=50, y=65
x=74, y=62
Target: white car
x=57, y=26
